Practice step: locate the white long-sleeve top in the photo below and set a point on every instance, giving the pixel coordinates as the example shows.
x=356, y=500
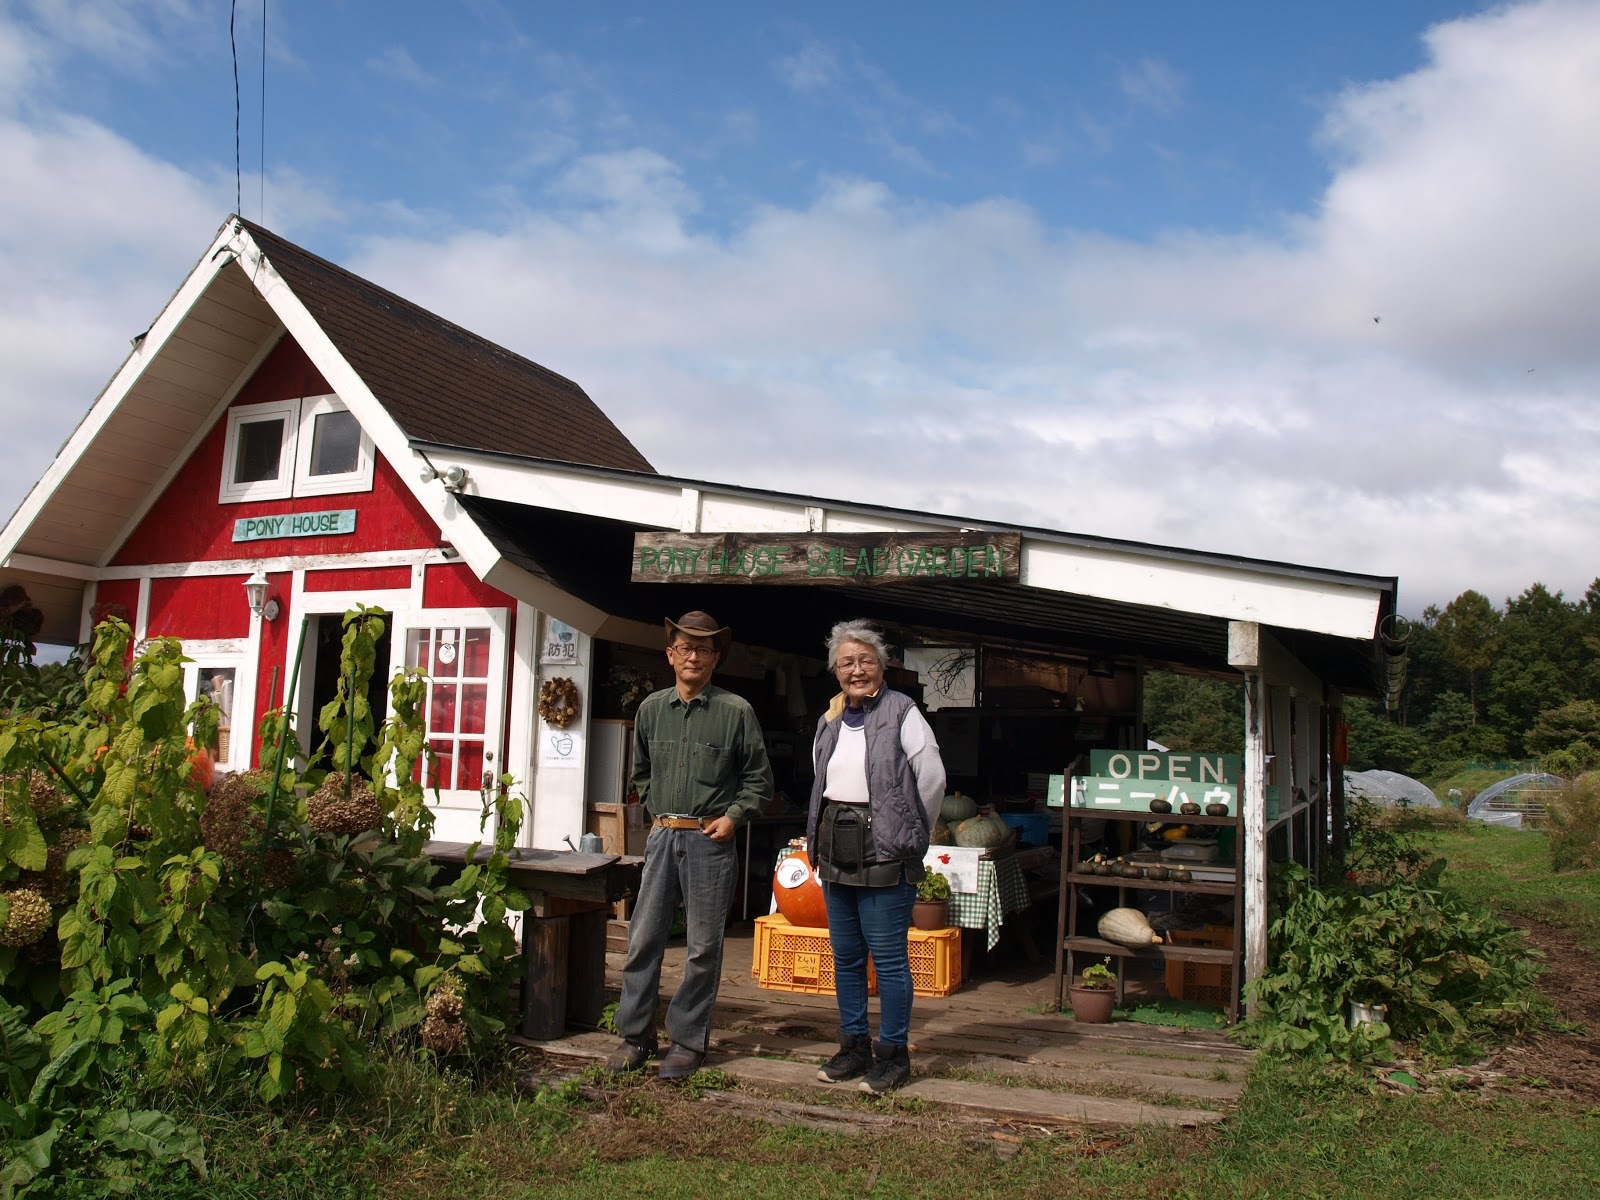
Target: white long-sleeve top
x=847, y=766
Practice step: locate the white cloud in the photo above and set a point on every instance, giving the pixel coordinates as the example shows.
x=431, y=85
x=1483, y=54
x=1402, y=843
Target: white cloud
x=1153, y=84
x=1228, y=393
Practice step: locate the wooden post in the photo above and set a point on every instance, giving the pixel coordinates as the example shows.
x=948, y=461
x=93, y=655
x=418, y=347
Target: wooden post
x=545, y=942
x=1244, y=652
x=586, y=967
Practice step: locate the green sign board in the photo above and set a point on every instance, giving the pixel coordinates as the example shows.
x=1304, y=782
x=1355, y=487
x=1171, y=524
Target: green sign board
x=1166, y=764
x=295, y=525
x=1099, y=791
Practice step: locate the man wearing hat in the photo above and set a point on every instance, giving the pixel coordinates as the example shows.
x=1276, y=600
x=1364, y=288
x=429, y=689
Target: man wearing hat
x=700, y=766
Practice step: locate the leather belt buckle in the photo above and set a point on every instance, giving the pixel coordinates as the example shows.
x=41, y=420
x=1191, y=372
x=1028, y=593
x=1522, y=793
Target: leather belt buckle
x=680, y=822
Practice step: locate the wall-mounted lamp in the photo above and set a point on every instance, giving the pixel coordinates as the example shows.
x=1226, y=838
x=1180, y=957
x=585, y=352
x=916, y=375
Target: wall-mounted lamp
x=427, y=474
x=270, y=610
x=255, y=592
x=450, y=552
x=1102, y=668
x=455, y=478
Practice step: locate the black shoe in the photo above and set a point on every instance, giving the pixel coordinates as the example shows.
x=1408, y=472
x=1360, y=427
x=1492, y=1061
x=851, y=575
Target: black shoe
x=631, y=1055
x=890, y=1070
x=679, y=1063
x=854, y=1058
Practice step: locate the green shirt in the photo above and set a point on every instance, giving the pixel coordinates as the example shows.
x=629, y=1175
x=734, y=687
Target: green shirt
x=704, y=758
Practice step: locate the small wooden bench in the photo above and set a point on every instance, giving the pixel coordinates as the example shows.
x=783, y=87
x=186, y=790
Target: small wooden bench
x=564, y=933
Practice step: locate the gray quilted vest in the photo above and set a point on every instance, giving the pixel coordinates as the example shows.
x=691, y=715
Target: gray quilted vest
x=899, y=822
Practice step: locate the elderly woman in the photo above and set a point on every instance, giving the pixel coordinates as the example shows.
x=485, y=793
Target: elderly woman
x=877, y=793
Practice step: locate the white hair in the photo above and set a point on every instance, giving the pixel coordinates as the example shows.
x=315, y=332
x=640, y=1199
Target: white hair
x=856, y=631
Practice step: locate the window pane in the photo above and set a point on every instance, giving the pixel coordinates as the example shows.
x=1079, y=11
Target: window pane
x=475, y=656
x=260, y=445
x=441, y=766
x=469, y=766
x=335, y=443
x=417, y=649
x=442, y=712
x=447, y=654
x=474, y=707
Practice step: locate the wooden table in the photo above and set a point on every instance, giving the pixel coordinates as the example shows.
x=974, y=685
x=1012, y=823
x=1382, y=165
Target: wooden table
x=564, y=933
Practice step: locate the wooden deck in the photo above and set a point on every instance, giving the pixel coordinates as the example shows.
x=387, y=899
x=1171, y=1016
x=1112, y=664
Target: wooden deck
x=991, y=1050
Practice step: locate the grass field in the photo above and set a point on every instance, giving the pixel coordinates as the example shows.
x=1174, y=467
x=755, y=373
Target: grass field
x=1510, y=870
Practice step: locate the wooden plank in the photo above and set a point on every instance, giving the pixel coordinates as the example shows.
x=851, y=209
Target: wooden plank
x=544, y=976
x=1017, y=1104
x=1199, y=954
x=838, y=559
x=1213, y=1090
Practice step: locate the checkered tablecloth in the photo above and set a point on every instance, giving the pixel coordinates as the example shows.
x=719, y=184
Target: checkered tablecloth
x=1001, y=890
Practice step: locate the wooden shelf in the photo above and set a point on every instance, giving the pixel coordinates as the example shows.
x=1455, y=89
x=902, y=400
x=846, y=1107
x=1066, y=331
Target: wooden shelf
x=1129, y=814
x=1205, y=887
x=1196, y=954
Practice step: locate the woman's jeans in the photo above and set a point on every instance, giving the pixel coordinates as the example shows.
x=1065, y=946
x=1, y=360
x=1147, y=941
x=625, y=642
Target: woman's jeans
x=681, y=866
x=875, y=920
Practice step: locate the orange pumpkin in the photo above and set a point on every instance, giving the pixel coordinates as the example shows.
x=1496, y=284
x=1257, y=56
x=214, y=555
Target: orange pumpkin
x=799, y=895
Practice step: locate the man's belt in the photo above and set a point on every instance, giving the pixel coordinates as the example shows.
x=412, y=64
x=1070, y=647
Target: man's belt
x=683, y=822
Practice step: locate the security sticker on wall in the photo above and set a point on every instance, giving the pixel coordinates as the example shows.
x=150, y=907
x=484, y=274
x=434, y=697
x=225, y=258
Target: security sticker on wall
x=560, y=643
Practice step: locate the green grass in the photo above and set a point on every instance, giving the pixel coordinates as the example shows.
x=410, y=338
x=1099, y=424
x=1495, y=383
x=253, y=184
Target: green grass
x=1302, y=1134
x=1510, y=870
x=1182, y=1014
x=1469, y=782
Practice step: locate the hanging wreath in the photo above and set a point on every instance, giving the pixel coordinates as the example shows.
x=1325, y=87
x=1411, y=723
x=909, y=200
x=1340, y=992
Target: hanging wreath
x=558, y=702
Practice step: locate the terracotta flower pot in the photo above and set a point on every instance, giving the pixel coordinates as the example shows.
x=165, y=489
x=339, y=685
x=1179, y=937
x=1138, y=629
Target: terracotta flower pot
x=930, y=914
x=1092, y=1006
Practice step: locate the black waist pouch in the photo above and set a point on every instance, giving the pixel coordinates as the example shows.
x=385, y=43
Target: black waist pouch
x=845, y=852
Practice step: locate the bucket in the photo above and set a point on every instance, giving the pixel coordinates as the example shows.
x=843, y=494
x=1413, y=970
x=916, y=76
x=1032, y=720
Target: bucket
x=1367, y=1014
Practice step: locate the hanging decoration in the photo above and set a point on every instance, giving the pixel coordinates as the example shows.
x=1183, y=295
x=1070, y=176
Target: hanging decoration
x=558, y=702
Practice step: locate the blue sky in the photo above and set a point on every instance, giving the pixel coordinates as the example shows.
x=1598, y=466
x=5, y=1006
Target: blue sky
x=1108, y=268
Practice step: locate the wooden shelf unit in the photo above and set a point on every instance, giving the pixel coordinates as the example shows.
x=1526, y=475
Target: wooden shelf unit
x=1070, y=942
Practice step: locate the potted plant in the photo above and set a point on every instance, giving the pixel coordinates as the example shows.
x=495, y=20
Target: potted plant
x=1094, y=995
x=932, y=909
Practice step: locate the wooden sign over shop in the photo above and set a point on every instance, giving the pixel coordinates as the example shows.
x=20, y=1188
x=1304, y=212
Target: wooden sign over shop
x=864, y=559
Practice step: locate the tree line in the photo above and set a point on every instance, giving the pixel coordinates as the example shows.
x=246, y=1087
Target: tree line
x=1517, y=683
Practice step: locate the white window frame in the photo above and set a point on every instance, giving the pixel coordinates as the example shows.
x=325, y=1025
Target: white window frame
x=294, y=456
x=307, y=484
x=280, y=488
x=226, y=654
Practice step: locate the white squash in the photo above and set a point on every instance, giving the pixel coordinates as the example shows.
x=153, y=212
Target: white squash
x=981, y=831
x=1128, y=927
x=957, y=807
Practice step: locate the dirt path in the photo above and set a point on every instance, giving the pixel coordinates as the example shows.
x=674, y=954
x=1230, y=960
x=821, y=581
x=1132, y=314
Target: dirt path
x=1566, y=1063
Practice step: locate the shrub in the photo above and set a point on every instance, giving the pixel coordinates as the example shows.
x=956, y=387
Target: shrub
x=1450, y=973
x=1574, y=816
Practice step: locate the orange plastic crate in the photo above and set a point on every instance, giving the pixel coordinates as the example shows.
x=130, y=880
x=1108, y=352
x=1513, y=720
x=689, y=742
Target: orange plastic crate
x=1201, y=983
x=935, y=961
x=797, y=958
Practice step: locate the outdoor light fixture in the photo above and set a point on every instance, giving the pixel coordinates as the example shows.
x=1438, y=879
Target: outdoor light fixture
x=255, y=591
x=427, y=474
x=455, y=478
x=1101, y=668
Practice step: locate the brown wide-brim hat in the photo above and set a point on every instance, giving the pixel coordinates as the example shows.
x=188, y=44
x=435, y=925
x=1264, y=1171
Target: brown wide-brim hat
x=699, y=624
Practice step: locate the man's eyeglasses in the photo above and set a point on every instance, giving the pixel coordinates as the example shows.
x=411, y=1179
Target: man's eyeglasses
x=683, y=651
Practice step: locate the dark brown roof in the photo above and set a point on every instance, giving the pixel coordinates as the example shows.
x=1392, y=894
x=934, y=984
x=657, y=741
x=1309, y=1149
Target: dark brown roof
x=441, y=383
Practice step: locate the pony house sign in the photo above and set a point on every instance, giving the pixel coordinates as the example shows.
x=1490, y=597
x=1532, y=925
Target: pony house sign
x=859, y=559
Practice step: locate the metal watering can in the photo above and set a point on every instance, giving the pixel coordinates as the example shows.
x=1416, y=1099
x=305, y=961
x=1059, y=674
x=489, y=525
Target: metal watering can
x=589, y=843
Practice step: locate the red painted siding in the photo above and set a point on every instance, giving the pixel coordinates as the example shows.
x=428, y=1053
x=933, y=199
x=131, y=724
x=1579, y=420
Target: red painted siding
x=207, y=606
x=453, y=585
x=116, y=595
x=189, y=524
x=275, y=635
x=359, y=579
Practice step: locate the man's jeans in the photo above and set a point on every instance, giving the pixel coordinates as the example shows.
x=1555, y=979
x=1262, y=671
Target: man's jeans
x=875, y=919
x=681, y=866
